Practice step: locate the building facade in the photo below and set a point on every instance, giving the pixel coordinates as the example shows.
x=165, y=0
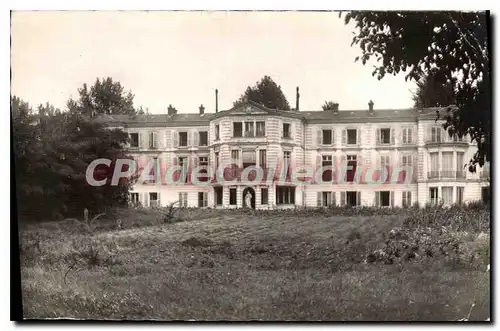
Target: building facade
x=368, y=157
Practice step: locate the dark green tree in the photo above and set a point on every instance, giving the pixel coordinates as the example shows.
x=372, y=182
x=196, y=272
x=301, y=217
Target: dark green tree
x=52, y=151
x=433, y=93
x=330, y=105
x=265, y=92
x=104, y=97
x=454, y=45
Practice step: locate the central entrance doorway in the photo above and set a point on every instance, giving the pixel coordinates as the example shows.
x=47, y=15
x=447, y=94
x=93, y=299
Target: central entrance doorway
x=249, y=198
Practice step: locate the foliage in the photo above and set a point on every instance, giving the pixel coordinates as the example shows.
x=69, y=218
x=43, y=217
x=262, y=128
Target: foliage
x=104, y=97
x=330, y=105
x=432, y=93
x=52, y=151
x=265, y=92
x=452, y=45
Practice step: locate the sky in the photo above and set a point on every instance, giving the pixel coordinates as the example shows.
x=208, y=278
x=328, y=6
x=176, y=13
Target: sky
x=180, y=58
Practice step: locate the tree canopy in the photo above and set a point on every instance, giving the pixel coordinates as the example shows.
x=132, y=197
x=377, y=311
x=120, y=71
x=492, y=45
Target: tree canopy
x=265, y=92
x=451, y=46
x=432, y=93
x=104, y=97
x=330, y=105
x=52, y=151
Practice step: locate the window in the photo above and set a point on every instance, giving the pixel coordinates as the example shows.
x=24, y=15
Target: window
x=263, y=158
x=383, y=198
x=134, y=140
x=327, y=161
x=155, y=169
x=407, y=136
x=183, y=139
x=203, y=162
x=406, y=161
x=385, y=136
x=352, y=136
x=152, y=140
x=384, y=161
x=285, y=195
x=217, y=131
x=447, y=193
x=183, y=199
x=287, y=155
x=232, y=196
x=436, y=134
x=448, y=165
x=153, y=199
x=460, y=195
x=218, y=195
x=216, y=160
x=434, y=165
x=460, y=165
x=327, y=137
x=249, y=158
x=406, y=201
x=433, y=191
x=261, y=129
x=134, y=198
x=326, y=199
x=351, y=167
x=237, y=129
x=286, y=130
x=485, y=194
x=203, y=136
x=182, y=161
x=351, y=198
x=202, y=199
x=249, y=129
x=264, y=196
x=235, y=157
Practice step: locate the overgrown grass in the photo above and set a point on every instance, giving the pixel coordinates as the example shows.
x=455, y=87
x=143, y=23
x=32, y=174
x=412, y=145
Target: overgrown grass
x=322, y=264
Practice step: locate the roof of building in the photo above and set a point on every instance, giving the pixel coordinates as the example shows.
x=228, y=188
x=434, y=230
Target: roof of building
x=253, y=108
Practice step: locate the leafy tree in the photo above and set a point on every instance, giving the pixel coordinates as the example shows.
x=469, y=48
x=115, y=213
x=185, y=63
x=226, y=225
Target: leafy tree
x=330, y=105
x=52, y=151
x=432, y=93
x=104, y=97
x=265, y=92
x=454, y=45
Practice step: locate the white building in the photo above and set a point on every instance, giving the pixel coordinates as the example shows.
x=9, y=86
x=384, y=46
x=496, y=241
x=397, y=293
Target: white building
x=254, y=135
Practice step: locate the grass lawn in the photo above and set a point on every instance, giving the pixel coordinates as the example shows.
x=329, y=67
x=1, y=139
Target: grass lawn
x=237, y=265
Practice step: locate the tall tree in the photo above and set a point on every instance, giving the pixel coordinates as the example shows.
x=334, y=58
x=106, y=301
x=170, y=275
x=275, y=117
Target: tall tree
x=433, y=93
x=330, y=105
x=104, y=97
x=453, y=44
x=265, y=92
x=52, y=151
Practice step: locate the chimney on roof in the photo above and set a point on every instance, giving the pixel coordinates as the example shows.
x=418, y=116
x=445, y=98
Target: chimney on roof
x=216, y=100
x=297, y=97
x=370, y=106
x=202, y=109
x=171, y=110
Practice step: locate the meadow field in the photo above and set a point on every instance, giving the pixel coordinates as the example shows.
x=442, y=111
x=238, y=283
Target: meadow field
x=338, y=264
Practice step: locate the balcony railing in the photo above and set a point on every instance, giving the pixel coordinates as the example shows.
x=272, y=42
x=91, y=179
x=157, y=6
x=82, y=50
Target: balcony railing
x=446, y=174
